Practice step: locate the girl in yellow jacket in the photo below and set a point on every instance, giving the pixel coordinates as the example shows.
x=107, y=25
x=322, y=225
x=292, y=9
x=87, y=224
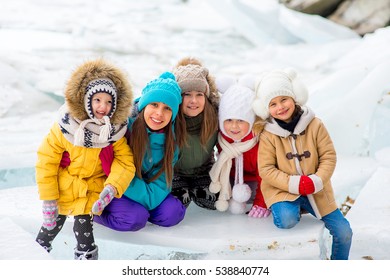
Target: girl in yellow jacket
x=90, y=129
x=296, y=158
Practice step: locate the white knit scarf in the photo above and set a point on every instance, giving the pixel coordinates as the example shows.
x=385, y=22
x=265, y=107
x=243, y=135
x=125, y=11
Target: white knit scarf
x=90, y=133
x=220, y=171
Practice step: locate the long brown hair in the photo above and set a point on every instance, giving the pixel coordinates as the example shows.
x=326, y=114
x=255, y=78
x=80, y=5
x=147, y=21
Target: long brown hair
x=180, y=128
x=209, y=123
x=140, y=147
x=258, y=125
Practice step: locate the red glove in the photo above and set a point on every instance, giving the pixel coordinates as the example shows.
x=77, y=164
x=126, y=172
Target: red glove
x=65, y=160
x=306, y=185
x=106, y=157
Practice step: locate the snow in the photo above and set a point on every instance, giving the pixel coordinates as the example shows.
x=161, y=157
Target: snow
x=347, y=76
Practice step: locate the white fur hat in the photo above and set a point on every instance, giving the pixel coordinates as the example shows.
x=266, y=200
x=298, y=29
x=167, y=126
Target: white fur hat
x=236, y=99
x=278, y=83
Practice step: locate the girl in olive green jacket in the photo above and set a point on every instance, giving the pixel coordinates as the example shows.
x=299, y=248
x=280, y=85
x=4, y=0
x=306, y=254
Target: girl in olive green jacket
x=200, y=108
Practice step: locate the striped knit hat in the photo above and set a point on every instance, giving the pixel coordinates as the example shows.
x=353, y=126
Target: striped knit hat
x=96, y=86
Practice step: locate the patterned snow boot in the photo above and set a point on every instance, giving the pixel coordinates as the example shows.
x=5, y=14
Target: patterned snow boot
x=92, y=255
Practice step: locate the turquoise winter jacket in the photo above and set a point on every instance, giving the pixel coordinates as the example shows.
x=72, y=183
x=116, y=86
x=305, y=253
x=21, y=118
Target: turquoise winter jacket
x=150, y=195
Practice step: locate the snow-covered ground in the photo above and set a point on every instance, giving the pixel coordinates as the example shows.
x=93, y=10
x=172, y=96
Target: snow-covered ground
x=42, y=41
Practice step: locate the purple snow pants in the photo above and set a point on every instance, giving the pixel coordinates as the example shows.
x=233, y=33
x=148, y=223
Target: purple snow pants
x=124, y=214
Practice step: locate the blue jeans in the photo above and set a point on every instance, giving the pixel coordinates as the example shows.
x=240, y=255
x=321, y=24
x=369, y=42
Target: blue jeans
x=287, y=214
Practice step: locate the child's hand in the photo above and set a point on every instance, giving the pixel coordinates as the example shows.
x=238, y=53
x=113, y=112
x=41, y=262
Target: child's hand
x=259, y=212
x=105, y=197
x=50, y=214
x=306, y=185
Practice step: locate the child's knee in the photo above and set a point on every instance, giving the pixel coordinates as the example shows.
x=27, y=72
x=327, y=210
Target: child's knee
x=345, y=234
x=129, y=221
x=287, y=221
x=169, y=213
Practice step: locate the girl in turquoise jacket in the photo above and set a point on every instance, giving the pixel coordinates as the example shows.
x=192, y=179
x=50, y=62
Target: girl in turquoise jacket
x=151, y=135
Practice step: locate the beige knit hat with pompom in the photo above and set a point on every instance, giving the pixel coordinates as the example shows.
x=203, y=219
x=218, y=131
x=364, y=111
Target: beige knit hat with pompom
x=191, y=75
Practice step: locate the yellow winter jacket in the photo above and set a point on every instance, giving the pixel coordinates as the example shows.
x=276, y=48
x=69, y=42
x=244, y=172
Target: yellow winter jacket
x=78, y=186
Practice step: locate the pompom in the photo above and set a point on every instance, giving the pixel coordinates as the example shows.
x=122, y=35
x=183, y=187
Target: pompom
x=259, y=109
x=221, y=205
x=248, y=81
x=236, y=207
x=215, y=187
x=241, y=192
x=301, y=92
x=168, y=75
x=258, y=80
x=291, y=73
x=224, y=82
x=189, y=60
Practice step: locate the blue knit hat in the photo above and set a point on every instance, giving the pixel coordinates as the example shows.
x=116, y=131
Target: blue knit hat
x=164, y=89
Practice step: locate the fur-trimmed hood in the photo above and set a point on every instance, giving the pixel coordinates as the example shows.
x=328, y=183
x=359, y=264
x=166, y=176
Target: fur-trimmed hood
x=214, y=95
x=95, y=69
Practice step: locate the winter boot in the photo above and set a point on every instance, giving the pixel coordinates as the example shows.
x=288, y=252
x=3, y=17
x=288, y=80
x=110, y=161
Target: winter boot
x=80, y=255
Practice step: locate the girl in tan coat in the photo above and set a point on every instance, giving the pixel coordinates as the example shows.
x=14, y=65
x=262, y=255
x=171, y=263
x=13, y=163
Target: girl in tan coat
x=90, y=129
x=297, y=158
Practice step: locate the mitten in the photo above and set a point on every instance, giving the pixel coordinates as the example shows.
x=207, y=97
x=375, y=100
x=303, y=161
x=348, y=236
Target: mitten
x=106, y=157
x=50, y=214
x=259, y=212
x=105, y=197
x=306, y=185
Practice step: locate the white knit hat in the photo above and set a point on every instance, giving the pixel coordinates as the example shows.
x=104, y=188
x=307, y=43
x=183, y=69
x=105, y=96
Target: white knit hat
x=278, y=83
x=236, y=99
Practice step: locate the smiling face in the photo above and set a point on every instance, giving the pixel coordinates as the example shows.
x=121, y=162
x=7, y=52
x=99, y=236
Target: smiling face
x=236, y=129
x=157, y=115
x=101, y=104
x=193, y=103
x=282, y=108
